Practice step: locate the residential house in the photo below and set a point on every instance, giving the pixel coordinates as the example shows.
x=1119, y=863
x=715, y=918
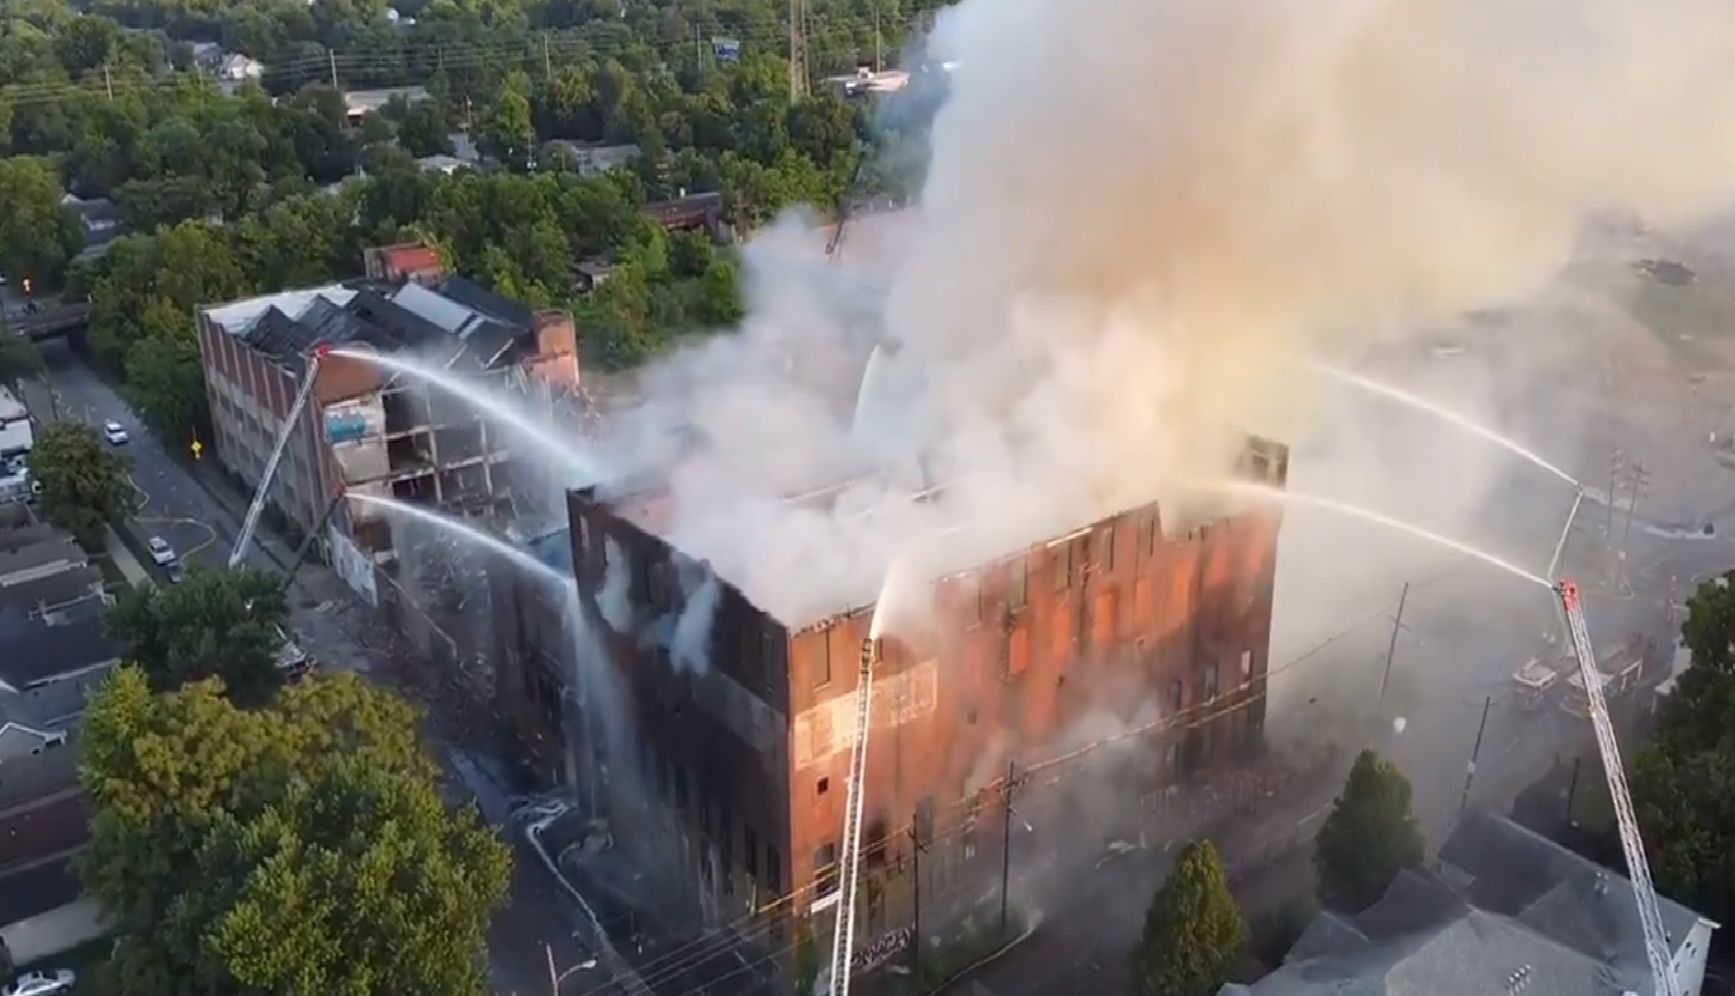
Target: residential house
x=237, y=70
x=588, y=158
x=99, y=218
x=1505, y=911
x=359, y=104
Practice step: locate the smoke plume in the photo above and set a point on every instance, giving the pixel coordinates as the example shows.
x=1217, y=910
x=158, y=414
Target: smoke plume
x=1137, y=215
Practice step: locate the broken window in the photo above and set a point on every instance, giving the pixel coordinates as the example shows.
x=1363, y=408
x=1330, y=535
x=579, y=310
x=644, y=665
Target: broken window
x=773, y=871
x=1246, y=666
x=1017, y=583
x=822, y=666
x=1211, y=670
x=1148, y=535
x=1063, y=567
x=1105, y=548
x=1177, y=696
x=825, y=869
x=925, y=821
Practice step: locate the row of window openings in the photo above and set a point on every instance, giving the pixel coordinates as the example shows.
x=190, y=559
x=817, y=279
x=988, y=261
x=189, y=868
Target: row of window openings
x=672, y=786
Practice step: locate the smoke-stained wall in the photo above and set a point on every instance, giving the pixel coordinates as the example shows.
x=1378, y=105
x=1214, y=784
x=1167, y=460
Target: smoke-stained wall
x=1125, y=618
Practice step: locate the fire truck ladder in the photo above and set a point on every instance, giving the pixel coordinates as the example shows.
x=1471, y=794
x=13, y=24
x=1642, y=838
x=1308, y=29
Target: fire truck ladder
x=1657, y=948
x=251, y=521
x=849, y=862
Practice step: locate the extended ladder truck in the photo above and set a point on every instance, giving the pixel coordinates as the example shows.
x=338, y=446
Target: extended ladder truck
x=1657, y=948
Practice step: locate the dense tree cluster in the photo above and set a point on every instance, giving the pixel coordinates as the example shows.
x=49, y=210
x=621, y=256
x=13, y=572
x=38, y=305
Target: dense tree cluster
x=84, y=483
x=296, y=850
x=1683, y=782
x=222, y=624
x=235, y=194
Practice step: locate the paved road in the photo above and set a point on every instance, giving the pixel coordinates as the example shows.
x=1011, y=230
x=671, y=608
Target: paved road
x=339, y=632
x=171, y=504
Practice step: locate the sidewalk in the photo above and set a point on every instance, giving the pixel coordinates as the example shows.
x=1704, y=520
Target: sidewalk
x=124, y=560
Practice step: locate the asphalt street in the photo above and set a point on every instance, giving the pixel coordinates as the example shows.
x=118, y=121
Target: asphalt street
x=534, y=927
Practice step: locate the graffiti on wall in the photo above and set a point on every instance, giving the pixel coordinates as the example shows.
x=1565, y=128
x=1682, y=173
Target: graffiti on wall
x=882, y=950
x=829, y=727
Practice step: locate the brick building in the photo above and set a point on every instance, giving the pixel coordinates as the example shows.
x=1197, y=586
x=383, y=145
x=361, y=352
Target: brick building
x=365, y=430
x=749, y=754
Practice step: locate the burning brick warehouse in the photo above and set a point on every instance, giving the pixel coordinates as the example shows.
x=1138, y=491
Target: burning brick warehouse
x=749, y=750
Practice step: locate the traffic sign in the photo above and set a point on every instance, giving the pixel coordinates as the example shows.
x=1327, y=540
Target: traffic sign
x=198, y=448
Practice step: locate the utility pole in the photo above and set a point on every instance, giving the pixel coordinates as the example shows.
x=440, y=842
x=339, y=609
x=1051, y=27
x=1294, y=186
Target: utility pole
x=1006, y=839
x=553, y=976
x=1475, y=752
x=1572, y=789
x=797, y=50
x=879, y=65
x=1392, y=647
x=1637, y=479
x=1615, y=461
x=331, y=56
x=107, y=81
x=916, y=902
x=547, y=63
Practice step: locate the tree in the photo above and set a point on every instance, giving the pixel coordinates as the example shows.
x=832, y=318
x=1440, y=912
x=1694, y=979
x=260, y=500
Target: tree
x=1709, y=630
x=1369, y=837
x=215, y=624
x=40, y=236
x=297, y=850
x=1684, y=779
x=19, y=357
x=1193, y=931
x=507, y=131
x=84, y=484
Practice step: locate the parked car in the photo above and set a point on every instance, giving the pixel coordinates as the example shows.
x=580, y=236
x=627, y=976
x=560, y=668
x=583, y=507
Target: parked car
x=53, y=983
x=115, y=432
x=162, y=552
x=175, y=572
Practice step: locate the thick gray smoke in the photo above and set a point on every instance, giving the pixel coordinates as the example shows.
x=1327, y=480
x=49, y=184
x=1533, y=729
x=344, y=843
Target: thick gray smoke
x=617, y=580
x=1137, y=215
x=690, y=644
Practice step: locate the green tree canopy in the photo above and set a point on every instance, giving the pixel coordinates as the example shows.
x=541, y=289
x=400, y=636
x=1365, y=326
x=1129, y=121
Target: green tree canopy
x=1370, y=836
x=299, y=850
x=215, y=624
x=39, y=237
x=1193, y=931
x=1684, y=780
x=84, y=483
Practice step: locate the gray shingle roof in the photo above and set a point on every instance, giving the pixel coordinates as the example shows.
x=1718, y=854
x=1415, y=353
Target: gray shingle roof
x=1509, y=911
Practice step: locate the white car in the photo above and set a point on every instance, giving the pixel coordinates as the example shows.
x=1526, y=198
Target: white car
x=116, y=434
x=162, y=552
x=41, y=984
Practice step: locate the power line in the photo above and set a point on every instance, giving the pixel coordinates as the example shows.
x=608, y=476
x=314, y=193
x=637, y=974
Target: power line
x=720, y=940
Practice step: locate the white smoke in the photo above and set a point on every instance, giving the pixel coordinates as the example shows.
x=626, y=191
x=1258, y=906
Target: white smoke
x=617, y=581
x=1137, y=215
x=690, y=644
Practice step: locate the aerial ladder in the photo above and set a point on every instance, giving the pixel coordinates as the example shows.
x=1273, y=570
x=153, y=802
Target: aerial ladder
x=849, y=861
x=1657, y=946
x=251, y=521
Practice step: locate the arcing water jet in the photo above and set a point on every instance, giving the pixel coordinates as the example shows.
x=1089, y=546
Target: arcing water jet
x=1300, y=498
x=580, y=469
x=518, y=557
x=1424, y=405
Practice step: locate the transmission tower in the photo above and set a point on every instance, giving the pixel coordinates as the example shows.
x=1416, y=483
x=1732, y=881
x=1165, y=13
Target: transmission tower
x=797, y=50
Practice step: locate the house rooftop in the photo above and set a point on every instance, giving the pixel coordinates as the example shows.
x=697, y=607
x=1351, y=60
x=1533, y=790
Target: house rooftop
x=64, y=588
x=38, y=554
x=38, y=649
x=458, y=323
x=1507, y=911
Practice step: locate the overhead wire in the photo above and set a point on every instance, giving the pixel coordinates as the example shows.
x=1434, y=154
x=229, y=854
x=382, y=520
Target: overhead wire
x=721, y=940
